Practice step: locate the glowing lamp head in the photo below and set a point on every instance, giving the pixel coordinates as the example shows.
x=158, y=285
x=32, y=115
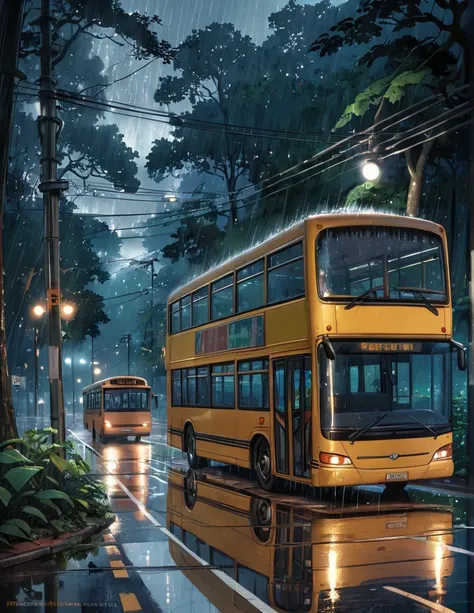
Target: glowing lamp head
x=67, y=310
x=38, y=310
x=68, y=361
x=97, y=371
x=371, y=170
x=82, y=361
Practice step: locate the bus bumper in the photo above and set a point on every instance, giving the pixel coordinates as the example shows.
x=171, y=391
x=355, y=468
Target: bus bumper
x=120, y=431
x=328, y=476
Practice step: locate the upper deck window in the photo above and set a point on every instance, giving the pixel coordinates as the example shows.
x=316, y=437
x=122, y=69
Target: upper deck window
x=222, y=297
x=181, y=314
x=200, y=306
x=250, y=287
x=286, y=274
x=393, y=262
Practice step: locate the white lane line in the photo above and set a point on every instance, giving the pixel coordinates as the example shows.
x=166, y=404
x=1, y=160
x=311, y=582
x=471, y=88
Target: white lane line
x=424, y=539
x=434, y=606
x=239, y=589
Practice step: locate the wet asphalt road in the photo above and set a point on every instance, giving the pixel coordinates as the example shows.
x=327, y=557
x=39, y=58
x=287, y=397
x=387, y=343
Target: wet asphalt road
x=212, y=541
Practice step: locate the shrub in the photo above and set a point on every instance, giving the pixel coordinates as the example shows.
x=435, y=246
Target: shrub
x=42, y=493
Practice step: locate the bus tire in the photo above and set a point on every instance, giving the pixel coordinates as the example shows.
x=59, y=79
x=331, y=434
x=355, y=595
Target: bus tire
x=262, y=464
x=194, y=460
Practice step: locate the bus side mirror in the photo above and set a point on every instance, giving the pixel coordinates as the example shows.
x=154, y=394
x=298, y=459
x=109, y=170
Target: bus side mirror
x=462, y=363
x=328, y=348
x=155, y=396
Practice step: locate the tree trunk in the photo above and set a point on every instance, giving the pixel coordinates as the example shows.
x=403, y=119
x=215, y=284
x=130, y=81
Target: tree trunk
x=11, y=18
x=417, y=176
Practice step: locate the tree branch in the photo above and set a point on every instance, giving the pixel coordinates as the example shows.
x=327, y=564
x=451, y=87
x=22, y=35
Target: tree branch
x=425, y=151
x=69, y=42
x=409, y=160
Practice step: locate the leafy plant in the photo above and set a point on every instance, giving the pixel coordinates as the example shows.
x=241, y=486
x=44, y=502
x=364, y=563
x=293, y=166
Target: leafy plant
x=42, y=493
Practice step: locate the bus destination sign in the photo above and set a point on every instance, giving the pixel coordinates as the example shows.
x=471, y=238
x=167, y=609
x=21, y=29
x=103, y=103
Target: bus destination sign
x=241, y=334
x=391, y=347
x=126, y=382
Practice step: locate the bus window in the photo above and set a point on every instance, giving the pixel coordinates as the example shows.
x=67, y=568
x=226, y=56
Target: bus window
x=200, y=306
x=223, y=386
x=185, y=312
x=176, y=396
x=254, y=582
x=126, y=400
x=250, y=287
x=253, y=385
x=286, y=274
x=175, y=317
x=222, y=297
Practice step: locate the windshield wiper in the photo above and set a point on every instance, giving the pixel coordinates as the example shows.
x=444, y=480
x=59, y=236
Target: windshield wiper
x=358, y=433
x=421, y=293
x=362, y=297
x=433, y=432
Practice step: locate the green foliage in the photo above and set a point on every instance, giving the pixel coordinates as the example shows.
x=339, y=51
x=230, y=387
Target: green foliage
x=391, y=88
x=380, y=196
x=29, y=506
x=460, y=435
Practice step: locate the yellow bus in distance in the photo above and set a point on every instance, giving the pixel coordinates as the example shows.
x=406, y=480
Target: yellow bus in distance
x=118, y=407
x=322, y=355
x=298, y=558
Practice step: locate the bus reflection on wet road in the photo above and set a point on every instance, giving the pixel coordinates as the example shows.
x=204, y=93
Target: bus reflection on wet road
x=211, y=540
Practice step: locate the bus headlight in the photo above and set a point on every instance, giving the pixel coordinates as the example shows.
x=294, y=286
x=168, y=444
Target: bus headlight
x=444, y=453
x=107, y=424
x=145, y=424
x=334, y=459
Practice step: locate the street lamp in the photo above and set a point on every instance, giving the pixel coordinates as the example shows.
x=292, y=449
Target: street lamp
x=97, y=371
x=170, y=198
x=67, y=310
x=371, y=170
x=38, y=310
x=68, y=361
x=82, y=361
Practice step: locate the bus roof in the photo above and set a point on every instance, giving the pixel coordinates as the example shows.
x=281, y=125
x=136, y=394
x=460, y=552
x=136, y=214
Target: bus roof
x=294, y=232
x=110, y=381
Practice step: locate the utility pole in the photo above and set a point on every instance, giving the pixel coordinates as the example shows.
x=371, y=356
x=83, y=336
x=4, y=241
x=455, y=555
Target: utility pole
x=11, y=19
x=49, y=127
x=152, y=326
x=36, y=353
x=92, y=359
x=129, y=338
x=73, y=386
x=470, y=212
x=126, y=338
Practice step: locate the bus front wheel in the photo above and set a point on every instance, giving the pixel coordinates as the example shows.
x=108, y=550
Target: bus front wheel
x=194, y=460
x=262, y=464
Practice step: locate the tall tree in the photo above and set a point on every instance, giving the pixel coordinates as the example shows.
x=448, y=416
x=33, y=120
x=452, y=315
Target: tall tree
x=429, y=57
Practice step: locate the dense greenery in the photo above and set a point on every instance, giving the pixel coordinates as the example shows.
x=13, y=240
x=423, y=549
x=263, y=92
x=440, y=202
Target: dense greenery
x=44, y=494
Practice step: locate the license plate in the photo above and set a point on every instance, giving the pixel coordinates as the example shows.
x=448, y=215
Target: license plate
x=126, y=429
x=397, y=525
x=396, y=477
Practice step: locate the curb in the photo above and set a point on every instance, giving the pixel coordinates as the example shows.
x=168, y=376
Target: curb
x=74, y=539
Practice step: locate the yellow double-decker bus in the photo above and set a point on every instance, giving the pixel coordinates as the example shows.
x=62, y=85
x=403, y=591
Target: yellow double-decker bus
x=118, y=407
x=298, y=557
x=322, y=355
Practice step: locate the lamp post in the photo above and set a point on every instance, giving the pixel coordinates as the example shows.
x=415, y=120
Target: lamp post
x=38, y=312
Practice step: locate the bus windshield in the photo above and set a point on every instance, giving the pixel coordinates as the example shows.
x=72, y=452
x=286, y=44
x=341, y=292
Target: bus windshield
x=391, y=260
x=125, y=399
x=406, y=385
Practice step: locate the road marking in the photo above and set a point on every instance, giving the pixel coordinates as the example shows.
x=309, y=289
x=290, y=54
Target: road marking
x=434, y=606
x=129, y=603
x=111, y=550
x=119, y=574
x=236, y=587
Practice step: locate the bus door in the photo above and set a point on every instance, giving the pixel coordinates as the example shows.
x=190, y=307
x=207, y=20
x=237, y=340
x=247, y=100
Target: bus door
x=292, y=565
x=292, y=414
